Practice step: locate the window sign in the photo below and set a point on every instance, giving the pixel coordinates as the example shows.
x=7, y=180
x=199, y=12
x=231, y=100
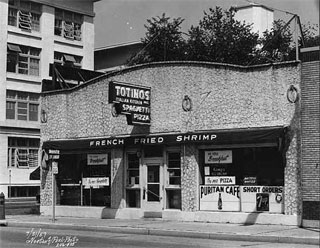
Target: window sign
x=218, y=157
x=95, y=181
x=262, y=198
x=228, y=180
x=262, y=202
x=207, y=170
x=131, y=100
x=97, y=159
x=219, y=198
x=250, y=180
x=55, y=167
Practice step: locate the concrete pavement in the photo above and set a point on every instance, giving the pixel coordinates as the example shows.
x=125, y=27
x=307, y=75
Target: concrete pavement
x=262, y=233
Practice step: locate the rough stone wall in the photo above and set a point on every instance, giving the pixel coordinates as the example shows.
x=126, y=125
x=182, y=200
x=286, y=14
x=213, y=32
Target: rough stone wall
x=117, y=183
x=189, y=178
x=292, y=176
x=223, y=97
x=46, y=187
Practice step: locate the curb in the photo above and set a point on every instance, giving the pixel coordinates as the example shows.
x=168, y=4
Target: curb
x=172, y=233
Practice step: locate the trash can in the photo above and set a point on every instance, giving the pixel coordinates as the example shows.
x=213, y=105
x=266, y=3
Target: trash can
x=2, y=207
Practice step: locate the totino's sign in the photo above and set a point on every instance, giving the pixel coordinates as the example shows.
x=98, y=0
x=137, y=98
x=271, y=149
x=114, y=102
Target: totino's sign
x=131, y=100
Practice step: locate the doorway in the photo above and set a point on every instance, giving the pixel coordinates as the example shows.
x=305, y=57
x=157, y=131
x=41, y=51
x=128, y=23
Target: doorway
x=153, y=185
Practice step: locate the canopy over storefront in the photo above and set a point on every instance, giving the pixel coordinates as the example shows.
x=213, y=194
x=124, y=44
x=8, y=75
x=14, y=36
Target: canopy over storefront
x=218, y=137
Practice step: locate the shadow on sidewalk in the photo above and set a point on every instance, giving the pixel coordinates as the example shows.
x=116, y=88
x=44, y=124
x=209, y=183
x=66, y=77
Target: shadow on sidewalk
x=251, y=219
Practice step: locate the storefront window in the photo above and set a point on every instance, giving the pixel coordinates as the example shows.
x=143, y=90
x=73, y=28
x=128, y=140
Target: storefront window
x=133, y=181
x=252, y=165
x=173, y=180
x=247, y=179
x=84, y=179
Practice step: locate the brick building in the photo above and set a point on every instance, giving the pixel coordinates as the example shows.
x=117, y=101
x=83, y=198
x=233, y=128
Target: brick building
x=310, y=129
x=190, y=141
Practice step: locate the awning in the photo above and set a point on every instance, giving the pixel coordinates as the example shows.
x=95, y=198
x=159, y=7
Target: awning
x=69, y=58
x=14, y=48
x=35, y=175
x=218, y=137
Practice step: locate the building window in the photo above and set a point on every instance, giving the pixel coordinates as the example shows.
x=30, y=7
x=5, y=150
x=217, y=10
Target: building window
x=22, y=106
x=24, y=191
x=23, y=59
x=133, y=181
x=133, y=169
x=67, y=59
x=68, y=24
x=83, y=182
x=174, y=168
x=261, y=166
x=23, y=152
x=24, y=14
x=173, y=180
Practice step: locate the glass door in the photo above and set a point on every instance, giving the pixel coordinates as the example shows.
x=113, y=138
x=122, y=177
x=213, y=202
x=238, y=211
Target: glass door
x=153, y=188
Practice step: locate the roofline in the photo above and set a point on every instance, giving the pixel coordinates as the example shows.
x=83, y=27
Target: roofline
x=252, y=5
x=118, y=45
x=177, y=63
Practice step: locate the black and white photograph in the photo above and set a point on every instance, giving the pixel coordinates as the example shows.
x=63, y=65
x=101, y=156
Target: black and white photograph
x=159, y=123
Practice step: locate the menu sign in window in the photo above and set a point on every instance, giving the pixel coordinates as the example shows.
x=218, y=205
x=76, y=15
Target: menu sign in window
x=97, y=159
x=132, y=101
x=218, y=157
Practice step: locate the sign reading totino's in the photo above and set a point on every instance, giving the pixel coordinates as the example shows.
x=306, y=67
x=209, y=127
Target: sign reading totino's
x=131, y=100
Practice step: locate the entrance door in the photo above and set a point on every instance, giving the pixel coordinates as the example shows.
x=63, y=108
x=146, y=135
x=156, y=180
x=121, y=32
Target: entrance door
x=153, y=185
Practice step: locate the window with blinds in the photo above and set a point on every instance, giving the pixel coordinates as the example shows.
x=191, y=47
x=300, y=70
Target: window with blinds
x=23, y=59
x=23, y=152
x=24, y=15
x=68, y=24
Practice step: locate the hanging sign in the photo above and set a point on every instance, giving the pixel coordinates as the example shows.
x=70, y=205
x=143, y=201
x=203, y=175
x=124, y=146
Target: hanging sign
x=95, y=181
x=97, y=159
x=132, y=101
x=219, y=198
x=218, y=157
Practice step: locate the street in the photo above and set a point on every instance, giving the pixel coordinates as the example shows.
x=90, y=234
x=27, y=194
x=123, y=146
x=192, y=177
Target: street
x=14, y=237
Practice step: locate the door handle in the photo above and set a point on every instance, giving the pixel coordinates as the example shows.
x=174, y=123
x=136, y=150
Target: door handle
x=144, y=193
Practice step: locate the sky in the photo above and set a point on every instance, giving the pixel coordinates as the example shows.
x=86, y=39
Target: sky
x=122, y=21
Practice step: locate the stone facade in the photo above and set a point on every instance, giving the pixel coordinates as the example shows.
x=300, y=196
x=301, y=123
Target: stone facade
x=223, y=97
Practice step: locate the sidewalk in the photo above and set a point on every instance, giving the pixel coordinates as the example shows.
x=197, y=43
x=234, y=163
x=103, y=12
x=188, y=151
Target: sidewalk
x=264, y=233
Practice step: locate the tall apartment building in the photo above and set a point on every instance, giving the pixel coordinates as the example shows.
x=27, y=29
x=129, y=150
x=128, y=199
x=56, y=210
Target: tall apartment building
x=34, y=33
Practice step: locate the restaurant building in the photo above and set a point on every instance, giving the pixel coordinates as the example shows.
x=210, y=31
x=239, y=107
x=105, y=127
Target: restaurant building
x=192, y=141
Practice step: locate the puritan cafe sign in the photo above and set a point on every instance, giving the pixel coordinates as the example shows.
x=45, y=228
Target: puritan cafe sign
x=132, y=101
